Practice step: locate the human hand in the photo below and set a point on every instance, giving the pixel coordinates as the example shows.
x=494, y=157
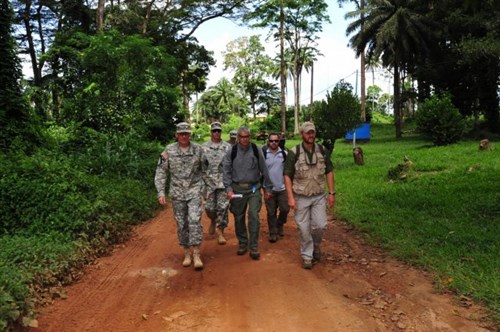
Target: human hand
x=331, y=200
x=162, y=200
x=291, y=203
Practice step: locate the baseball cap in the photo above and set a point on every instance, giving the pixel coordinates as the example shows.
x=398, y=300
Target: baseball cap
x=307, y=126
x=183, y=127
x=233, y=133
x=215, y=126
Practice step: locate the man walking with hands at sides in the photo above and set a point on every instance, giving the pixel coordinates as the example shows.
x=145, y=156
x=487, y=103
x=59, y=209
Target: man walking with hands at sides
x=275, y=162
x=216, y=202
x=182, y=160
x=308, y=173
x=244, y=166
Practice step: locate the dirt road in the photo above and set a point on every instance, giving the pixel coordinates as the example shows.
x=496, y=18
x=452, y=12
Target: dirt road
x=142, y=286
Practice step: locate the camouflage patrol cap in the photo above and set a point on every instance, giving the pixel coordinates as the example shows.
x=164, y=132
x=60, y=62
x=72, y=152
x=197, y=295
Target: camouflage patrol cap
x=216, y=126
x=233, y=133
x=307, y=127
x=183, y=127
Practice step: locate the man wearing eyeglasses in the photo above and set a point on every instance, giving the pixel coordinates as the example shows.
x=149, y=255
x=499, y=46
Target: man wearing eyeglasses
x=275, y=162
x=182, y=160
x=244, y=166
x=216, y=202
x=308, y=173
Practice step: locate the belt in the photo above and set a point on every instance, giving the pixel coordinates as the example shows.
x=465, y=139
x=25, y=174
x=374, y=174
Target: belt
x=246, y=184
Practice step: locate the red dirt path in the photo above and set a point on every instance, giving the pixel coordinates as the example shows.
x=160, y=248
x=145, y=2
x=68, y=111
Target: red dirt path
x=142, y=286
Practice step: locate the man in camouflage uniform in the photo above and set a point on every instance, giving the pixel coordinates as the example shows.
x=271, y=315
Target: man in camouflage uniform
x=232, y=137
x=216, y=202
x=183, y=162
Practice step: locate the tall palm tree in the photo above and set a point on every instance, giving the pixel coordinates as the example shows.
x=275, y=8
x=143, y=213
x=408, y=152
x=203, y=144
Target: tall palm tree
x=397, y=31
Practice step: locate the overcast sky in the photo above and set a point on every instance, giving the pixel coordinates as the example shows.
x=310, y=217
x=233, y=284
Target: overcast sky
x=338, y=60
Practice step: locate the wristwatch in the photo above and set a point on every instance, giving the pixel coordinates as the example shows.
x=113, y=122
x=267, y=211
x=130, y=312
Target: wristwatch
x=332, y=193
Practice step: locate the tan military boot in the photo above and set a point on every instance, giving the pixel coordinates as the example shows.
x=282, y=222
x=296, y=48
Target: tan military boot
x=220, y=236
x=187, y=257
x=198, y=264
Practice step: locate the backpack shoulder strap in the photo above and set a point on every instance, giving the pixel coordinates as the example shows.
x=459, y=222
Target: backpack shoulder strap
x=255, y=150
x=264, y=151
x=234, y=151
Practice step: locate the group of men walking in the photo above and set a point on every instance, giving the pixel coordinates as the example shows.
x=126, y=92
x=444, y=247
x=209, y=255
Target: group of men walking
x=232, y=176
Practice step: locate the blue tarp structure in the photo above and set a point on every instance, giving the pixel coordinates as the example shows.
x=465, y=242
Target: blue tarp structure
x=362, y=133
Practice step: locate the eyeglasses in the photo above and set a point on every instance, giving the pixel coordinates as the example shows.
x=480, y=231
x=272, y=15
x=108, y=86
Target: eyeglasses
x=244, y=136
x=216, y=131
x=184, y=134
x=274, y=140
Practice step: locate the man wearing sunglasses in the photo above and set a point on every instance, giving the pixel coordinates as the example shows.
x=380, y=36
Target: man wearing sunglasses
x=182, y=160
x=275, y=162
x=308, y=173
x=244, y=166
x=216, y=202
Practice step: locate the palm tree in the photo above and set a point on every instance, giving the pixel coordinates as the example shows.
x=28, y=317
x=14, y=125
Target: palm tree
x=398, y=32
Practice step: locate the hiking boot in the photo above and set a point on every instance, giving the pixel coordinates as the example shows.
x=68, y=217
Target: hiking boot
x=220, y=236
x=211, y=228
x=241, y=251
x=280, y=231
x=307, y=264
x=273, y=238
x=254, y=254
x=187, y=257
x=198, y=264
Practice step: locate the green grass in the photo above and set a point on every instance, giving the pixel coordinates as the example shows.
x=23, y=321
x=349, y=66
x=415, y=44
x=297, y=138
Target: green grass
x=444, y=217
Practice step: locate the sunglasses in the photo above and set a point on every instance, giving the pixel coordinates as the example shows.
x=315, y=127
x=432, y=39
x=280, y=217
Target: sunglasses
x=274, y=140
x=184, y=134
x=216, y=131
x=244, y=136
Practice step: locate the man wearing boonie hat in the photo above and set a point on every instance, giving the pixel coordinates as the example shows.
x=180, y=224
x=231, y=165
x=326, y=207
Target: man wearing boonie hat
x=308, y=173
x=182, y=160
x=216, y=202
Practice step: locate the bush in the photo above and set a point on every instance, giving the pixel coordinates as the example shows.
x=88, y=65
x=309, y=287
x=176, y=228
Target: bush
x=440, y=120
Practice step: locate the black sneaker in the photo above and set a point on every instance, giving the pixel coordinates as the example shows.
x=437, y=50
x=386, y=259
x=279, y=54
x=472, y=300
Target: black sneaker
x=280, y=231
x=241, y=251
x=307, y=264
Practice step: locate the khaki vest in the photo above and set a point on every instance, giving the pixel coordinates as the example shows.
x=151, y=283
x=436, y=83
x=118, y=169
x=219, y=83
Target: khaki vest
x=309, y=180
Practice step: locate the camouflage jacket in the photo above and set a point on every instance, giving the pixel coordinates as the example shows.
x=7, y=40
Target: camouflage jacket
x=185, y=170
x=213, y=154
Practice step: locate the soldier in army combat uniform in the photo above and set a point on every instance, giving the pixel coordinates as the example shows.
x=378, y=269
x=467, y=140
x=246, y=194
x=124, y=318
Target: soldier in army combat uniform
x=216, y=202
x=183, y=162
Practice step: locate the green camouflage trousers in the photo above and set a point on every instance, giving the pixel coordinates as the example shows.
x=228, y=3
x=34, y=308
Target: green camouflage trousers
x=216, y=207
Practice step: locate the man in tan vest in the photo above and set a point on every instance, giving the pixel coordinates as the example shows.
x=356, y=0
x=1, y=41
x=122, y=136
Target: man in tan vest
x=308, y=173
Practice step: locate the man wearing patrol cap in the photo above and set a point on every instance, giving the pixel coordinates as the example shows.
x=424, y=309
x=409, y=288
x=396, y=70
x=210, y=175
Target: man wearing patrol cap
x=233, y=134
x=308, y=170
x=182, y=160
x=216, y=202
